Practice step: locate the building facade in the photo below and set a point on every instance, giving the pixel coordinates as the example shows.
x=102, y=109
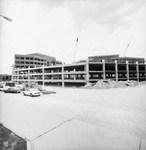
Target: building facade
x=107, y=58
x=33, y=60
x=81, y=73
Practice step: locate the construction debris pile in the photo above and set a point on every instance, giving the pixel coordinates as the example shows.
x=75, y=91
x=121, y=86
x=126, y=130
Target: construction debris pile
x=26, y=86
x=106, y=84
x=36, y=86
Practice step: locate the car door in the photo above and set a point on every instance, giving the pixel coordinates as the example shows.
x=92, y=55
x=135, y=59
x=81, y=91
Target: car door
x=31, y=91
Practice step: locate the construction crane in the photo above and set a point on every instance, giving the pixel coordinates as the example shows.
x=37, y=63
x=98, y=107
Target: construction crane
x=76, y=45
x=128, y=44
x=8, y=19
x=126, y=49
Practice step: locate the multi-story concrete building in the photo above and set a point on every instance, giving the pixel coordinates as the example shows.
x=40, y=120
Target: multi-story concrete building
x=80, y=73
x=107, y=58
x=112, y=58
x=34, y=59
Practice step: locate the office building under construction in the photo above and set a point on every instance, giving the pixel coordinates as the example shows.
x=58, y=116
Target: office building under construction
x=82, y=72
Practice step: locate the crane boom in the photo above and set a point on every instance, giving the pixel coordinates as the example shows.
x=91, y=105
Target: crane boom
x=75, y=51
x=128, y=44
x=126, y=50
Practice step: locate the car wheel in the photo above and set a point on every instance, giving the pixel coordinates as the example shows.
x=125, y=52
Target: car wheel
x=31, y=95
x=24, y=94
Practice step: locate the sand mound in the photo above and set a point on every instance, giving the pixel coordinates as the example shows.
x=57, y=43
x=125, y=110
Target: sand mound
x=105, y=84
x=100, y=85
x=89, y=86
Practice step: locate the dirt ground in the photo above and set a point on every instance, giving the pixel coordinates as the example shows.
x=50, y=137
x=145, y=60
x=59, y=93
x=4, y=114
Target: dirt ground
x=10, y=141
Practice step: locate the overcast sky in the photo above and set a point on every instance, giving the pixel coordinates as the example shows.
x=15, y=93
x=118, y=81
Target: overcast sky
x=51, y=27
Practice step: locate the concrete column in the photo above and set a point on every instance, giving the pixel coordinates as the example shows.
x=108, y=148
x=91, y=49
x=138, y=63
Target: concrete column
x=62, y=75
x=116, y=70
x=87, y=71
x=12, y=75
x=145, y=70
x=137, y=70
x=43, y=76
x=103, y=61
x=28, y=74
x=127, y=69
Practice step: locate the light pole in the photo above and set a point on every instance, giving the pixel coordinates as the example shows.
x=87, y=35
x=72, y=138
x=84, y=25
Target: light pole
x=7, y=18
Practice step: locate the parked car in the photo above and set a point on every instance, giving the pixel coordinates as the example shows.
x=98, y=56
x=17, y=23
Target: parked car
x=12, y=90
x=10, y=83
x=1, y=87
x=32, y=92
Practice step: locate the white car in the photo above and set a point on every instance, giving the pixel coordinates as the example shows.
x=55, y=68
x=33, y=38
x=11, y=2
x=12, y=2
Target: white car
x=32, y=92
x=12, y=90
x=3, y=87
